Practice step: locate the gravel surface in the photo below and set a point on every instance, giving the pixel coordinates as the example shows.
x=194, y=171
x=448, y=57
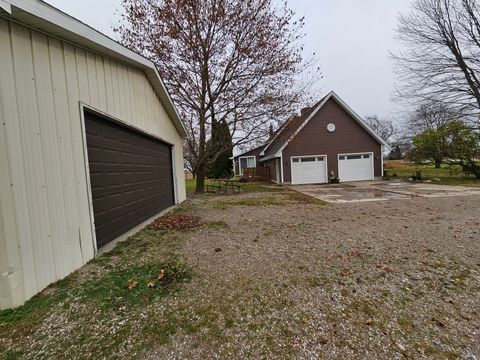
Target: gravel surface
x=274, y=275
x=377, y=280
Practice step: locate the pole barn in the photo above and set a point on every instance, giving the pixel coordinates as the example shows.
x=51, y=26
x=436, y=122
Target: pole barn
x=90, y=146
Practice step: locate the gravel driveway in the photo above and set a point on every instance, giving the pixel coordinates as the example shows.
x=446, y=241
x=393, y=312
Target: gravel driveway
x=370, y=280
x=271, y=275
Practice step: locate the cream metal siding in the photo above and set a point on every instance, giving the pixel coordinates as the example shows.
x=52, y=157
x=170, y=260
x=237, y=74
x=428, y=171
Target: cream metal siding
x=45, y=221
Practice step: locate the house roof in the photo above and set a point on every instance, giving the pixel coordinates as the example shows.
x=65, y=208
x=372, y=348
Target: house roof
x=287, y=130
x=249, y=151
x=297, y=123
x=46, y=18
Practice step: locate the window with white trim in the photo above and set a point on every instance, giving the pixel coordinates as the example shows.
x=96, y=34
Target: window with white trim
x=246, y=162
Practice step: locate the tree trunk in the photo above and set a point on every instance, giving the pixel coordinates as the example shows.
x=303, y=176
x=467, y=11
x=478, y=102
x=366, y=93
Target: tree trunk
x=438, y=164
x=200, y=184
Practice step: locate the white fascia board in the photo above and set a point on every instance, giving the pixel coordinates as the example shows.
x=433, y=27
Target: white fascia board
x=4, y=5
x=270, y=157
x=46, y=18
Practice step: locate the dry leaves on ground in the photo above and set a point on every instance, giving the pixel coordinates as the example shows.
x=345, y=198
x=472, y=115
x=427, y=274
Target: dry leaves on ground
x=176, y=222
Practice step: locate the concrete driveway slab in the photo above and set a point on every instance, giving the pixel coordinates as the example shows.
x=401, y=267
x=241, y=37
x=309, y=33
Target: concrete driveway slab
x=382, y=191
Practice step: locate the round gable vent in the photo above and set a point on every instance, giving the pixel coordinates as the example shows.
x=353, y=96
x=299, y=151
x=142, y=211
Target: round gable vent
x=331, y=127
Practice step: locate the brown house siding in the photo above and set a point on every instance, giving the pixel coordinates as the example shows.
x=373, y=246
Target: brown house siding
x=314, y=139
x=273, y=168
x=254, y=152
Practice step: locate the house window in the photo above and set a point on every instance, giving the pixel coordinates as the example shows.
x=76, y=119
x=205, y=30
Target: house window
x=247, y=162
x=296, y=160
x=366, y=156
x=308, y=159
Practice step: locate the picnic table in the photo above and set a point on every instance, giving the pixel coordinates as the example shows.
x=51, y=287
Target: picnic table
x=223, y=186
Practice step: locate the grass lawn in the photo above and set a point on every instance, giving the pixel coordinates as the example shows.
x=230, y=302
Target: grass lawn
x=448, y=174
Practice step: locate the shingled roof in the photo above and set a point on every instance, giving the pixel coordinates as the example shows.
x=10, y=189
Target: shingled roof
x=293, y=126
x=288, y=129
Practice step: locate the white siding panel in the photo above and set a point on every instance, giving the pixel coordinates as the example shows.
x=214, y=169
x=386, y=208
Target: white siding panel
x=62, y=116
x=43, y=82
x=109, y=90
x=101, y=83
x=32, y=254
x=13, y=196
x=55, y=243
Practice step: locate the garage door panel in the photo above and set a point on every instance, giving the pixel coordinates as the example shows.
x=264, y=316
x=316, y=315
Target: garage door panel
x=309, y=170
x=130, y=174
x=355, y=167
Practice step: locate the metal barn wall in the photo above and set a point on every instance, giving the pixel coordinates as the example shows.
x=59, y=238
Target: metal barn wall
x=45, y=220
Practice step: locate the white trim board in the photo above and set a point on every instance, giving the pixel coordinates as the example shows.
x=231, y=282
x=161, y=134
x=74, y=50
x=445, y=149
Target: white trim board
x=5, y=6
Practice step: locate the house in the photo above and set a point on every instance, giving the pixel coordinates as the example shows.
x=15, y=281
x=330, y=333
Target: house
x=90, y=145
x=327, y=138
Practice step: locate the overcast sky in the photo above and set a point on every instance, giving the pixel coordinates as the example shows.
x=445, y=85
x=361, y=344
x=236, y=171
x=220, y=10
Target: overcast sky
x=352, y=39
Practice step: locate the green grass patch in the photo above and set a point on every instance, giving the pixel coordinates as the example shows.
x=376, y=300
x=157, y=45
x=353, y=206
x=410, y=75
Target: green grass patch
x=260, y=187
x=105, y=291
x=303, y=198
x=134, y=285
x=244, y=187
x=35, y=308
x=447, y=174
x=249, y=201
x=190, y=185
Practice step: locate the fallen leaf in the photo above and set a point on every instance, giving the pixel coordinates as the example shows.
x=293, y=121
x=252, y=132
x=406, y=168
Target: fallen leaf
x=151, y=284
x=347, y=272
x=386, y=267
x=161, y=274
x=400, y=347
x=369, y=322
x=132, y=284
x=440, y=322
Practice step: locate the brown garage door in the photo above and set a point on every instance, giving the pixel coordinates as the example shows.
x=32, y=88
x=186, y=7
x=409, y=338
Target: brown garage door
x=130, y=175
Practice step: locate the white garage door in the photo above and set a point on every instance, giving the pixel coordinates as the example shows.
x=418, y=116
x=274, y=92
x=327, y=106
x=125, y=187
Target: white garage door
x=309, y=170
x=355, y=167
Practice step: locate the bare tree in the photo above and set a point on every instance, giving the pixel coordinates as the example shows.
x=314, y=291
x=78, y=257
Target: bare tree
x=430, y=116
x=237, y=62
x=442, y=60
x=382, y=127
